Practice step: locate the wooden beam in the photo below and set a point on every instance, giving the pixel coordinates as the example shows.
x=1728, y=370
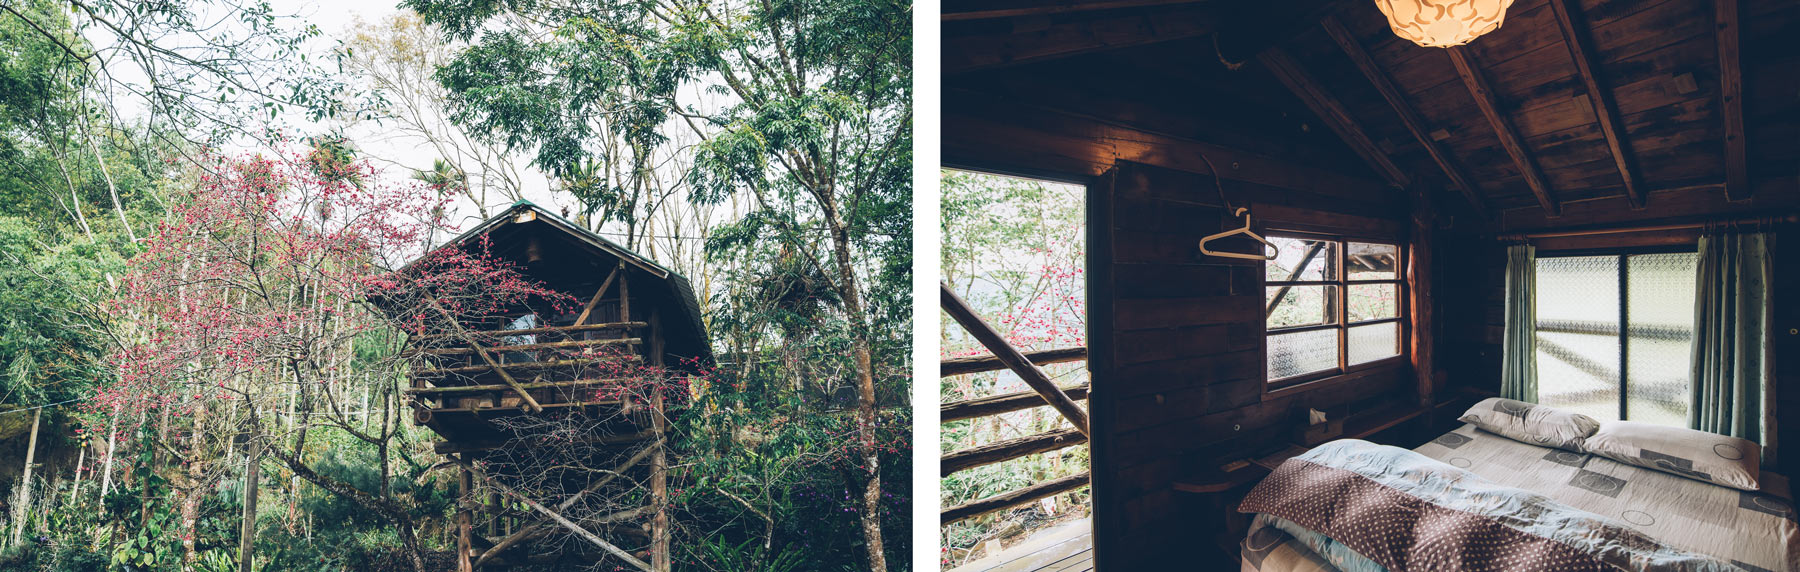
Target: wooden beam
x=978, y=364
x=1419, y=286
x=992, y=131
x=963, y=54
x=564, y=330
x=559, y=519
x=456, y=326
x=1034, y=377
x=1003, y=501
x=998, y=451
x=1329, y=110
x=453, y=447
x=962, y=11
x=473, y=389
x=519, y=366
x=1731, y=93
x=573, y=344
x=1007, y=403
x=1503, y=128
x=1408, y=116
x=1605, y=110
x=595, y=301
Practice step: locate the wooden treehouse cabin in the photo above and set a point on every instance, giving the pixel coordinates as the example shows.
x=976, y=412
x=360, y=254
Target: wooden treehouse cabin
x=516, y=394
x=1549, y=213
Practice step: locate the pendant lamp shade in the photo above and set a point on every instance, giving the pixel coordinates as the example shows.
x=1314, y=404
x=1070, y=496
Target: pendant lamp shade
x=1443, y=23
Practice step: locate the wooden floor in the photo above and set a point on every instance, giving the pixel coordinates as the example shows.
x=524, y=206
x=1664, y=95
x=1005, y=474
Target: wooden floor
x=1065, y=548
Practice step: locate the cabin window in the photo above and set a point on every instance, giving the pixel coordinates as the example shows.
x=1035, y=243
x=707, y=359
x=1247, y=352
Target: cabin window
x=1614, y=334
x=1331, y=306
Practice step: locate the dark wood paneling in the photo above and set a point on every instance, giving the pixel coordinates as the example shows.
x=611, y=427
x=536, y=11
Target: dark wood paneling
x=1184, y=387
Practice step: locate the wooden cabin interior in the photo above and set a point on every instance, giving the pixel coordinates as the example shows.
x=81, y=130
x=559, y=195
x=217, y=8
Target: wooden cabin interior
x=1604, y=133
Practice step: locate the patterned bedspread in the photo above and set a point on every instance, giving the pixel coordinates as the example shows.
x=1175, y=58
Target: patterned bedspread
x=1757, y=532
x=1354, y=505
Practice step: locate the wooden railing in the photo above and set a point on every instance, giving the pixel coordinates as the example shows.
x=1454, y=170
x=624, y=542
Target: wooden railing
x=1043, y=392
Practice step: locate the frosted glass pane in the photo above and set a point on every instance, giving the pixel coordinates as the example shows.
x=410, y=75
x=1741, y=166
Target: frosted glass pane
x=1373, y=342
x=1372, y=261
x=1373, y=302
x=1302, y=306
x=1660, y=308
x=1302, y=352
x=1578, y=334
x=1294, y=251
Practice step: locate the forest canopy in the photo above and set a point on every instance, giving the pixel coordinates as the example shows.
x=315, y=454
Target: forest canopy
x=207, y=204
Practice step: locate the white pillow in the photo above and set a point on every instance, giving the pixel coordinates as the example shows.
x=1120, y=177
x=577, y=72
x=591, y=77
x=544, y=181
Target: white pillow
x=1698, y=455
x=1531, y=423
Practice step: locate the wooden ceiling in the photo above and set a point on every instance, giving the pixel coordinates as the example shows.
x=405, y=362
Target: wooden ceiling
x=1572, y=104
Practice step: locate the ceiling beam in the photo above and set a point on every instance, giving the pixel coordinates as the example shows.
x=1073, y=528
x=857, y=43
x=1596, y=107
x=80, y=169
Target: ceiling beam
x=1731, y=90
x=966, y=11
x=1332, y=113
x=1066, y=39
x=1605, y=110
x=1503, y=128
x=1408, y=115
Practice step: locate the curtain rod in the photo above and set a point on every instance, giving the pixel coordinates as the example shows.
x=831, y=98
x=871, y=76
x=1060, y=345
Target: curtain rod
x=1625, y=229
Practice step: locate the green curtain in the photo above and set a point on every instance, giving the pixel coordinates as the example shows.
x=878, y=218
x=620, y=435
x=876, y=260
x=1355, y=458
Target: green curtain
x=1731, y=300
x=1518, y=361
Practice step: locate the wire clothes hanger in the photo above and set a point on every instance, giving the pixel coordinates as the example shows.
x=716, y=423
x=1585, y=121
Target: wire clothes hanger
x=1243, y=212
x=1218, y=183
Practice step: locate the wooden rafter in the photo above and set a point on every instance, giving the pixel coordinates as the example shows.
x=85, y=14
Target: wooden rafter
x=1503, y=128
x=957, y=13
x=1066, y=39
x=1322, y=104
x=1033, y=376
x=1408, y=115
x=1605, y=110
x=1731, y=93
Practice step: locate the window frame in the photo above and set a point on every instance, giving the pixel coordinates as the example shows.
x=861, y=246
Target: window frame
x=1623, y=254
x=1341, y=322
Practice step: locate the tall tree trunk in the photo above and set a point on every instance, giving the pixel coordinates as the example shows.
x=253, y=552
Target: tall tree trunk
x=22, y=511
x=247, y=535
x=865, y=383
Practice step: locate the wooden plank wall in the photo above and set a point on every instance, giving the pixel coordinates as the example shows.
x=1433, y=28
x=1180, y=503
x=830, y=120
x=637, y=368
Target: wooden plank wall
x=1182, y=387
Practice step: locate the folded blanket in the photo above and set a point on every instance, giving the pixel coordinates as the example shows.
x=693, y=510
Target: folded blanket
x=1406, y=511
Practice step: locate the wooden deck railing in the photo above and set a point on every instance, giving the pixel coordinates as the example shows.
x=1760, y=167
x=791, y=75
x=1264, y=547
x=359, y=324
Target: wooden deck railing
x=1043, y=392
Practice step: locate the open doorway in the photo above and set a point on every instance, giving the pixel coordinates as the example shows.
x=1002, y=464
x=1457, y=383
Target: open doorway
x=1014, y=481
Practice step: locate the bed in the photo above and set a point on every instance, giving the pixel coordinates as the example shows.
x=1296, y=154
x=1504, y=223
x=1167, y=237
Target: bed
x=1754, y=531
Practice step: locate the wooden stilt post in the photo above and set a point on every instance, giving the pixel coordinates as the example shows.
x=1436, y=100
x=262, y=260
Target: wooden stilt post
x=660, y=560
x=464, y=521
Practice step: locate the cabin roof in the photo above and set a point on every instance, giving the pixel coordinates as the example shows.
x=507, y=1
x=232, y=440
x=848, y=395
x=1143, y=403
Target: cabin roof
x=686, y=336
x=1594, y=110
